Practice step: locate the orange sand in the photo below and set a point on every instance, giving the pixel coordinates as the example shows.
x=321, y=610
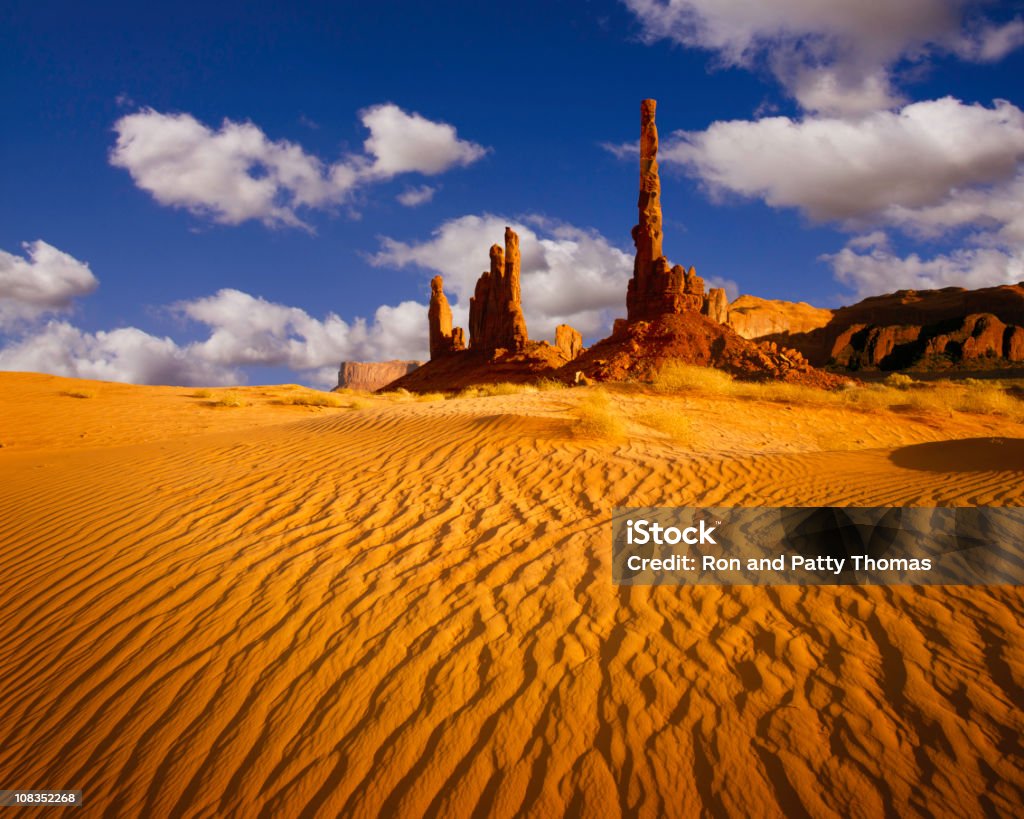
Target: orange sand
x=407, y=609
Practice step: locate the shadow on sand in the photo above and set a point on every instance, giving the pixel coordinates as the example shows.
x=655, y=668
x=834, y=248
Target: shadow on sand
x=963, y=455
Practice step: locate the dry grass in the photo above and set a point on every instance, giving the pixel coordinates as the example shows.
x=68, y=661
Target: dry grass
x=597, y=417
x=314, y=399
x=668, y=421
x=202, y=394
x=505, y=388
x=501, y=388
x=898, y=392
x=79, y=393
x=549, y=385
x=229, y=399
x=675, y=376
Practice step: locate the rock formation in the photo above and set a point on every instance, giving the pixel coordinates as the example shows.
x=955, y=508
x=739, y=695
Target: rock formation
x=495, y=310
x=568, y=341
x=669, y=319
x=754, y=317
x=658, y=288
x=925, y=329
x=444, y=340
x=716, y=306
x=372, y=375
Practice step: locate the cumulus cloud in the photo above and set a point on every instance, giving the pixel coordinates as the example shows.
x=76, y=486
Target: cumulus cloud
x=44, y=280
x=837, y=56
x=401, y=142
x=237, y=173
x=246, y=330
x=413, y=197
x=242, y=331
x=841, y=169
x=869, y=266
x=125, y=354
x=569, y=275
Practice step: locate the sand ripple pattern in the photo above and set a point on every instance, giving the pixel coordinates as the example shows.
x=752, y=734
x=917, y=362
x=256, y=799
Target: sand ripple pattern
x=409, y=612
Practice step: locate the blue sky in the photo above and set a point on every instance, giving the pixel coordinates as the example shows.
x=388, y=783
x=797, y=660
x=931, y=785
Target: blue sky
x=189, y=195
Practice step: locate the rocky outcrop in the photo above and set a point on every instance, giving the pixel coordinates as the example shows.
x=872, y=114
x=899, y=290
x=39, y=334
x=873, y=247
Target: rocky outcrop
x=716, y=306
x=669, y=319
x=568, y=341
x=637, y=350
x=977, y=338
x=922, y=330
x=495, y=309
x=372, y=375
x=753, y=317
x=444, y=339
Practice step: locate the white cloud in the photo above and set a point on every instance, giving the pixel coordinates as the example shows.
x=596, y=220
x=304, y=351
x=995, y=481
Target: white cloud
x=868, y=265
x=401, y=142
x=836, y=56
x=243, y=331
x=44, y=280
x=246, y=330
x=237, y=173
x=126, y=354
x=569, y=275
x=834, y=168
x=413, y=197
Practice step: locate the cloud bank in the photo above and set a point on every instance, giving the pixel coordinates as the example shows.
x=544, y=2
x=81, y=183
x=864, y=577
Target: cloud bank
x=840, y=56
x=242, y=330
x=236, y=173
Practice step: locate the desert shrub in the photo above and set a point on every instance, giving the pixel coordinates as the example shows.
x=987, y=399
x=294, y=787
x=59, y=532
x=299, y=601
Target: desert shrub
x=597, y=417
x=229, y=399
x=79, y=393
x=669, y=421
x=431, y=396
x=314, y=399
x=504, y=388
x=548, y=385
x=988, y=399
x=359, y=404
x=899, y=380
x=674, y=376
x=202, y=394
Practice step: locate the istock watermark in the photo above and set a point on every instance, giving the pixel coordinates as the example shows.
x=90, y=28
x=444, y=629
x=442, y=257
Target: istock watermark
x=831, y=545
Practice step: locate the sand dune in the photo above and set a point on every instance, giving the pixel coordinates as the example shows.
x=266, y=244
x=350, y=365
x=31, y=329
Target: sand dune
x=407, y=609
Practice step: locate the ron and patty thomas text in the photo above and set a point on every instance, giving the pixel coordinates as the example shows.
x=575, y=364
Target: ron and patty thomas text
x=643, y=533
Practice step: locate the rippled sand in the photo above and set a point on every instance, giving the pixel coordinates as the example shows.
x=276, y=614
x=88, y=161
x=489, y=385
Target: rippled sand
x=407, y=609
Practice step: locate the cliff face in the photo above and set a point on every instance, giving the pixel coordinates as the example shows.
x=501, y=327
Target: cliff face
x=753, y=317
x=372, y=375
x=923, y=329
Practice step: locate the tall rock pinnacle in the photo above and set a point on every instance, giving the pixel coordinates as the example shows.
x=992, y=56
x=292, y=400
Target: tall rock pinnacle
x=495, y=311
x=443, y=338
x=656, y=287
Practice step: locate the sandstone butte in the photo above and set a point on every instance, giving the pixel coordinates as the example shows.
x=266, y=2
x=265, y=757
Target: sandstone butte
x=668, y=316
x=909, y=329
x=372, y=375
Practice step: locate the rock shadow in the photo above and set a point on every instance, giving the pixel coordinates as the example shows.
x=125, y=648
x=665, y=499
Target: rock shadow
x=963, y=455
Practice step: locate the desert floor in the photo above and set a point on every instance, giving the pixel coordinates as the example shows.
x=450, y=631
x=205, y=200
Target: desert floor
x=405, y=608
